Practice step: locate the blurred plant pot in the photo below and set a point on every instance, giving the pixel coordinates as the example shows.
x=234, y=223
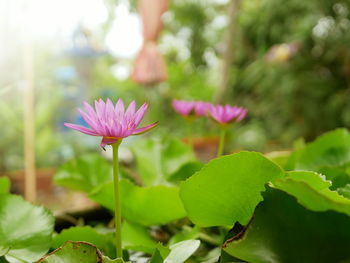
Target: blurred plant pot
x=205, y=147
x=54, y=197
x=44, y=181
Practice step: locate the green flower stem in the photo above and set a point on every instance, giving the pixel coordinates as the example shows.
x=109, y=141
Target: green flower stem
x=190, y=132
x=205, y=237
x=117, y=210
x=222, y=141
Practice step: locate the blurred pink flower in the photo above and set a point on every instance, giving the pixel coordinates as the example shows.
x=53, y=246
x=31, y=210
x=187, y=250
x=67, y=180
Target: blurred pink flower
x=202, y=108
x=183, y=107
x=111, y=122
x=191, y=108
x=227, y=114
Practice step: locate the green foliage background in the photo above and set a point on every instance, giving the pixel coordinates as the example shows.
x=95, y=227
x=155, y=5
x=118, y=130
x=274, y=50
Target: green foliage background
x=303, y=96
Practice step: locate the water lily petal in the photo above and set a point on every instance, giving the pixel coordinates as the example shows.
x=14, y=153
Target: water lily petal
x=109, y=114
x=92, y=123
x=242, y=115
x=90, y=110
x=130, y=111
x=119, y=108
x=227, y=113
x=100, y=107
x=183, y=107
x=108, y=140
x=81, y=129
x=145, y=129
x=139, y=114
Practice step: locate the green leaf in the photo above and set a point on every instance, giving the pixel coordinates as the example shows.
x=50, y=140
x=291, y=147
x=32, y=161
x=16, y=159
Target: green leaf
x=312, y=191
x=212, y=256
x=228, y=188
x=25, y=229
x=160, y=253
x=3, y=260
x=4, y=185
x=136, y=237
x=185, y=234
x=186, y=171
x=338, y=175
x=177, y=253
x=330, y=149
x=156, y=257
x=108, y=260
x=143, y=205
x=86, y=233
x=163, y=250
x=157, y=159
x=344, y=191
x=279, y=157
x=84, y=173
x=283, y=231
x=78, y=252
x=227, y=258
x=181, y=251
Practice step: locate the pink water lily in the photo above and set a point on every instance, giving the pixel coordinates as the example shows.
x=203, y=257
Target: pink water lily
x=202, y=108
x=111, y=122
x=191, y=108
x=183, y=107
x=225, y=114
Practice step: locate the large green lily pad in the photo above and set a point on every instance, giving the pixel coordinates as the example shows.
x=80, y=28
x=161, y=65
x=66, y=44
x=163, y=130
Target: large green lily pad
x=228, y=188
x=143, y=205
x=84, y=173
x=104, y=241
x=312, y=191
x=137, y=237
x=330, y=149
x=25, y=229
x=77, y=252
x=159, y=158
x=283, y=231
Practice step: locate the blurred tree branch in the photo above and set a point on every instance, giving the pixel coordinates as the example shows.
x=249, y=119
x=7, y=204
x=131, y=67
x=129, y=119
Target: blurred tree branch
x=233, y=10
